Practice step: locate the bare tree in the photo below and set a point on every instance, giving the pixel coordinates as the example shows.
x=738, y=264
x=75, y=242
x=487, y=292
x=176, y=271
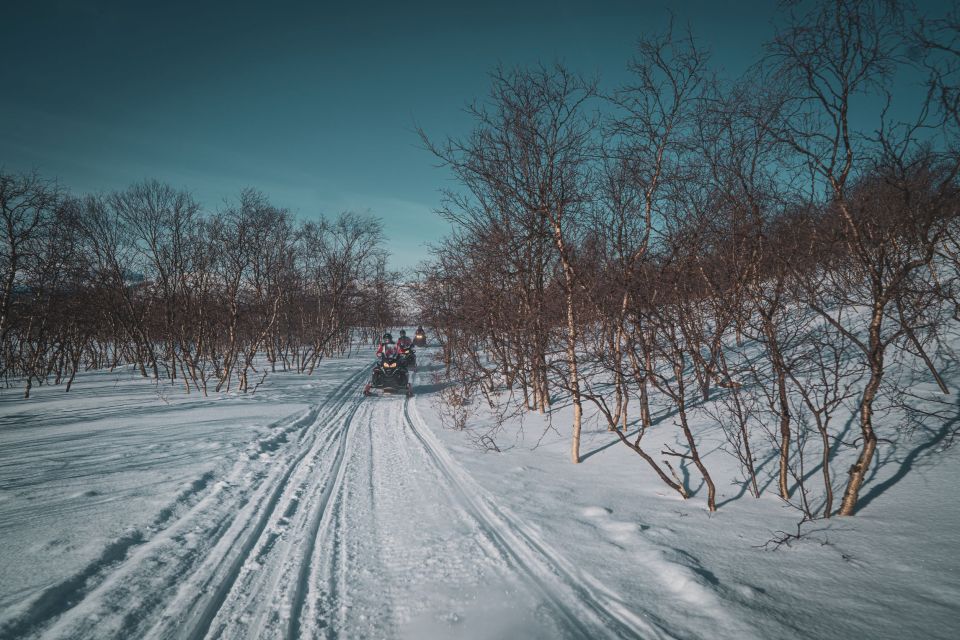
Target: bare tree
x=27, y=206
x=529, y=161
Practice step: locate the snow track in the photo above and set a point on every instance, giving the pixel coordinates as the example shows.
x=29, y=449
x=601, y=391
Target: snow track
x=173, y=578
x=268, y=567
x=585, y=611
x=347, y=520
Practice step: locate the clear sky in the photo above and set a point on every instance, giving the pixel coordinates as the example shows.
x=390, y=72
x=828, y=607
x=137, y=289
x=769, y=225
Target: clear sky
x=314, y=103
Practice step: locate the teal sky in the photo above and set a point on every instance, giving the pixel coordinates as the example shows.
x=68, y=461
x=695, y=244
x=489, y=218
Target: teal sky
x=314, y=103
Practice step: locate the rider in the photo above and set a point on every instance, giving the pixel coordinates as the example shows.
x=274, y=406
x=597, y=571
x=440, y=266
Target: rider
x=385, y=348
x=403, y=342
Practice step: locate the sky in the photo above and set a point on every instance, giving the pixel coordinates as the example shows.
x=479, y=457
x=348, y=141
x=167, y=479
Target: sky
x=314, y=103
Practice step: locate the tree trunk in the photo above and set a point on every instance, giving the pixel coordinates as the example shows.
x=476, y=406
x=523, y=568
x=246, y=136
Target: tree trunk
x=688, y=435
x=574, y=379
x=858, y=471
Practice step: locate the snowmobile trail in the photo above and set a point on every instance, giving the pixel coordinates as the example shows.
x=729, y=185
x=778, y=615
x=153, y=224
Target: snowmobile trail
x=398, y=556
x=302, y=583
x=173, y=578
x=273, y=565
x=588, y=610
x=347, y=520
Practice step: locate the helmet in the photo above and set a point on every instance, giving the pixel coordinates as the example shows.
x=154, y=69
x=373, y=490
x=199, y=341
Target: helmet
x=387, y=337
x=403, y=333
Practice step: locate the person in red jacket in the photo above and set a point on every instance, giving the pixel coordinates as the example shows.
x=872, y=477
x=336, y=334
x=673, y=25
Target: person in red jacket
x=385, y=348
x=405, y=350
x=403, y=342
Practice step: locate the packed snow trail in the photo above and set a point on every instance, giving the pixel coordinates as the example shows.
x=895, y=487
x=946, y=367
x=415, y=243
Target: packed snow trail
x=187, y=562
x=346, y=520
x=394, y=548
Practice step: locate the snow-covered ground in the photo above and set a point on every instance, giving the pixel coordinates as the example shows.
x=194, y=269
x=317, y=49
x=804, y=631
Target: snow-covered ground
x=306, y=510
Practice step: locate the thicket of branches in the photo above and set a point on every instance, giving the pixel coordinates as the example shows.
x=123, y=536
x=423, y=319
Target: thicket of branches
x=769, y=244
x=145, y=277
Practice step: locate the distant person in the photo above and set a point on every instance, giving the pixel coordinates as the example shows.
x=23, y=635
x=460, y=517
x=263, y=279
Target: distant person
x=403, y=342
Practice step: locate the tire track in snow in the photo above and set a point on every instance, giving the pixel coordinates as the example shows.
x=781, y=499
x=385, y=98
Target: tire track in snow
x=173, y=576
x=337, y=473
x=341, y=554
x=339, y=399
x=533, y=559
x=377, y=572
x=57, y=607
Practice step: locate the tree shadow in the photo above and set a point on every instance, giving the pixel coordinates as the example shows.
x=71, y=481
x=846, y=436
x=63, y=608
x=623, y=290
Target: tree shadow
x=430, y=388
x=654, y=421
x=603, y=447
x=744, y=486
x=685, y=479
x=834, y=451
x=948, y=429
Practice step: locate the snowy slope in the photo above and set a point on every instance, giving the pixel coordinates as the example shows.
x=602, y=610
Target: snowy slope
x=306, y=510
x=892, y=571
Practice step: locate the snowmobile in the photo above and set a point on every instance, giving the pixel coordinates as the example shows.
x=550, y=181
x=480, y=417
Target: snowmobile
x=389, y=374
x=420, y=338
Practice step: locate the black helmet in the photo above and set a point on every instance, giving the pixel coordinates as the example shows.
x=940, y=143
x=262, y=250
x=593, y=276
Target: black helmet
x=387, y=337
x=403, y=333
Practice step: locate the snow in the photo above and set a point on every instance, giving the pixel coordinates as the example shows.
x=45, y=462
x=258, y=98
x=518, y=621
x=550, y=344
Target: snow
x=306, y=510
